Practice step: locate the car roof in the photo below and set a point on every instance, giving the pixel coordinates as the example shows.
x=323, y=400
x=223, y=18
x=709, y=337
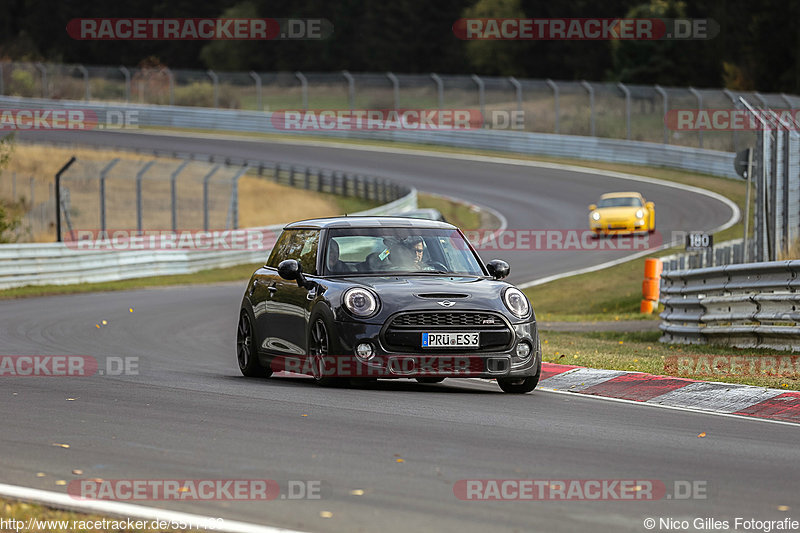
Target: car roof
x=620, y=195
x=369, y=222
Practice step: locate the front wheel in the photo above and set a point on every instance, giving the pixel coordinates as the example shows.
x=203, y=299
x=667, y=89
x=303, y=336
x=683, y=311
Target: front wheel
x=245, y=349
x=319, y=350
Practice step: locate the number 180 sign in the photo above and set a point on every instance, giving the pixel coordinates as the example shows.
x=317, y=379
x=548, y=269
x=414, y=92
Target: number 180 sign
x=698, y=241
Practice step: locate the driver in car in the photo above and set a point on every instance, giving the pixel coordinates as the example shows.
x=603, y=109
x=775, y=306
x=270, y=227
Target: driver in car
x=334, y=264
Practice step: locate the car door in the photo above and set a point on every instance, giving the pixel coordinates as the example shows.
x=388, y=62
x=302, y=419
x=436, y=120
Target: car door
x=289, y=306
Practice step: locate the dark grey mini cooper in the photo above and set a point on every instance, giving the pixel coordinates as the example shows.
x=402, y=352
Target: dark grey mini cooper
x=382, y=298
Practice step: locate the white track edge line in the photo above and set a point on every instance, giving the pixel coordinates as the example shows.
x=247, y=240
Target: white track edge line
x=130, y=510
x=578, y=394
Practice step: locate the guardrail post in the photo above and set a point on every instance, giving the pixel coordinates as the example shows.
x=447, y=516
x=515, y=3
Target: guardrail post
x=58, y=196
x=518, y=91
x=87, y=92
x=103, y=174
x=127, y=74
x=139, y=177
x=171, y=86
x=556, y=102
x=395, y=89
x=735, y=103
x=439, y=89
x=43, y=71
x=173, y=193
x=590, y=89
x=699, y=97
x=257, y=79
x=206, y=179
x=215, y=82
x=303, y=88
x=351, y=89
x=627, y=94
x=665, y=101
x=481, y=97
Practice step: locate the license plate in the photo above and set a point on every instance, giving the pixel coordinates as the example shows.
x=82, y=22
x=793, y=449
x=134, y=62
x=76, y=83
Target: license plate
x=451, y=340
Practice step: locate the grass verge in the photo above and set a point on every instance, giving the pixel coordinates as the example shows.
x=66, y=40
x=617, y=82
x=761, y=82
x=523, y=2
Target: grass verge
x=59, y=521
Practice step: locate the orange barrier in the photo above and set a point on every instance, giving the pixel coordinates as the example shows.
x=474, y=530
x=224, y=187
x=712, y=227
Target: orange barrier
x=651, y=285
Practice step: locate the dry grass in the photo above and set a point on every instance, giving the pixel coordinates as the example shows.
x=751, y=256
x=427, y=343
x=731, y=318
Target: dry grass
x=261, y=202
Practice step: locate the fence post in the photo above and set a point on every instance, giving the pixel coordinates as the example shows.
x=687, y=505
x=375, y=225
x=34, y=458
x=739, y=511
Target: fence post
x=665, y=101
x=761, y=99
x=590, y=89
x=139, y=177
x=518, y=90
x=58, y=196
x=303, y=88
x=257, y=79
x=627, y=94
x=556, y=102
x=235, y=195
x=215, y=82
x=735, y=103
x=43, y=71
x=351, y=89
x=439, y=89
x=173, y=193
x=87, y=92
x=481, y=97
x=395, y=89
x=103, y=174
x=699, y=97
x=783, y=96
x=206, y=179
x=127, y=74
x=171, y=86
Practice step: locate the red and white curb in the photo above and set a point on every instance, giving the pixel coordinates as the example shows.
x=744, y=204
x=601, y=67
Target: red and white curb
x=669, y=391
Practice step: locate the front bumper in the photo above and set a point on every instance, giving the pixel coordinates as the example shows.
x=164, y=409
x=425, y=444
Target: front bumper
x=438, y=362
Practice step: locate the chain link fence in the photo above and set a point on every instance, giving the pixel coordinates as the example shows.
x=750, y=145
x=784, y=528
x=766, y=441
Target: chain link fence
x=610, y=110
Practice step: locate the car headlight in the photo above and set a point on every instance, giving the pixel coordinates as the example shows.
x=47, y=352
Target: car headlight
x=516, y=302
x=361, y=302
x=595, y=216
x=639, y=213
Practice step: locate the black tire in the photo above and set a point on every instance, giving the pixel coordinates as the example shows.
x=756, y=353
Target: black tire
x=520, y=385
x=319, y=347
x=430, y=380
x=246, y=354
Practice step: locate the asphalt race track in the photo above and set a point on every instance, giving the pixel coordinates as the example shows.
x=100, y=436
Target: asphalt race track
x=188, y=414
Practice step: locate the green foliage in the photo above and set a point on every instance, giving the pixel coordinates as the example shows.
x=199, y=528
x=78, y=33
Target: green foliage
x=494, y=57
x=22, y=83
x=8, y=223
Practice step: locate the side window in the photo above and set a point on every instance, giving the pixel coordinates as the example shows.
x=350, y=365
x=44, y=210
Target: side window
x=296, y=244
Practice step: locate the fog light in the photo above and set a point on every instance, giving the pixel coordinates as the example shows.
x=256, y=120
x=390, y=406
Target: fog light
x=365, y=351
x=523, y=350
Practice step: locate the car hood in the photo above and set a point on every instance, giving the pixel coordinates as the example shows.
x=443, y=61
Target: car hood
x=425, y=291
x=618, y=212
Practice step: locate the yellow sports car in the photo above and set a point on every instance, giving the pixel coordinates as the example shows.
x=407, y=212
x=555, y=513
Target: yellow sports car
x=622, y=212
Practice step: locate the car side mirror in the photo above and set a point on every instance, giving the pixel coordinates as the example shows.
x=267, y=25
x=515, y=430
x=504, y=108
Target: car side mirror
x=498, y=268
x=592, y=207
x=290, y=269
x=649, y=205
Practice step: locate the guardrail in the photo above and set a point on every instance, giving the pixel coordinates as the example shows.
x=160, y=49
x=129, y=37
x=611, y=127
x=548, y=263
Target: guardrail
x=751, y=305
x=63, y=264
x=725, y=253
x=589, y=148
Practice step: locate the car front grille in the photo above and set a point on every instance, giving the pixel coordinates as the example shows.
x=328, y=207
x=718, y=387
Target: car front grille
x=445, y=319
x=404, y=332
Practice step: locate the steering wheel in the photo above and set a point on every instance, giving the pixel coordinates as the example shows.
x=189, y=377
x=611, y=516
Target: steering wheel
x=436, y=265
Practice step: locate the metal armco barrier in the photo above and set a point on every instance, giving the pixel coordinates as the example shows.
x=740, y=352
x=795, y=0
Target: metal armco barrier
x=751, y=305
x=58, y=264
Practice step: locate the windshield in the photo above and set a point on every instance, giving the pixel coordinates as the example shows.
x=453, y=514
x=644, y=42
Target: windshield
x=399, y=251
x=621, y=201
